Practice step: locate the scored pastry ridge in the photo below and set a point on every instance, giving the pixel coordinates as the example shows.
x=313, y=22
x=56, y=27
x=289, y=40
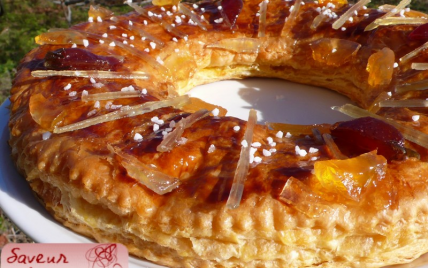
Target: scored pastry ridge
x=107, y=139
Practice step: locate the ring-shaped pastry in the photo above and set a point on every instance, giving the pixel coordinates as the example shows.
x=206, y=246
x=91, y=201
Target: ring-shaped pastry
x=107, y=139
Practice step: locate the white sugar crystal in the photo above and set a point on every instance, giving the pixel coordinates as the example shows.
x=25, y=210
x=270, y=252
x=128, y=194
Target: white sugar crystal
x=182, y=141
x=279, y=134
x=215, y=112
x=155, y=127
x=211, y=149
x=266, y=152
x=138, y=137
x=236, y=128
x=244, y=143
x=219, y=20
x=313, y=150
x=415, y=117
x=67, y=87
x=46, y=135
x=257, y=159
x=300, y=152
x=256, y=144
x=91, y=112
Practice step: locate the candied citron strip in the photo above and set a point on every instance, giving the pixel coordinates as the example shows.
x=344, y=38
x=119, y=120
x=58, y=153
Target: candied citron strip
x=349, y=13
x=186, y=11
x=390, y=13
x=92, y=74
x=243, y=165
x=153, y=179
x=126, y=111
x=350, y=177
x=169, y=142
x=262, y=18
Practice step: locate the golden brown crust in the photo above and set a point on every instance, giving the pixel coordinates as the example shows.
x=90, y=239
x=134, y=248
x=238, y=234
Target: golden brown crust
x=86, y=186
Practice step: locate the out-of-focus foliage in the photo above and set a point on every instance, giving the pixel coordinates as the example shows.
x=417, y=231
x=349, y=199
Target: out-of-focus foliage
x=25, y=19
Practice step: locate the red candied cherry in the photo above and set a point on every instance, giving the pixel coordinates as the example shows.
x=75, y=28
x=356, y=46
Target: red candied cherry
x=420, y=33
x=78, y=59
x=232, y=8
x=367, y=134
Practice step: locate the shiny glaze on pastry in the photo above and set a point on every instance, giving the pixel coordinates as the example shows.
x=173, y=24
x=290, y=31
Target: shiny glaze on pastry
x=308, y=198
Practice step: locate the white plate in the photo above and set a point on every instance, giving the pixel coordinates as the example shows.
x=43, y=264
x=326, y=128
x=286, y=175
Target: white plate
x=275, y=101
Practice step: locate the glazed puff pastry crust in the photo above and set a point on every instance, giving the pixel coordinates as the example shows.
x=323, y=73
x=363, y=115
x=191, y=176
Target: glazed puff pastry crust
x=87, y=177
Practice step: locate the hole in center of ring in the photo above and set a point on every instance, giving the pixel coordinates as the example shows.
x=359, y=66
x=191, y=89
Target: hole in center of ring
x=275, y=100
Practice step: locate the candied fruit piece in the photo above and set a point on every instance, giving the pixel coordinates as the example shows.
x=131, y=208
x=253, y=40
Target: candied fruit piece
x=381, y=67
x=46, y=115
x=97, y=11
x=301, y=196
x=298, y=129
x=78, y=59
x=420, y=33
x=232, y=9
x=197, y=104
x=350, y=177
x=60, y=37
x=333, y=51
x=366, y=134
x=165, y=2
x=182, y=65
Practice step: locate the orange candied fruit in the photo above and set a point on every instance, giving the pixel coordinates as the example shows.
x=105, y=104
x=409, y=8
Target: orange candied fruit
x=97, y=11
x=381, y=67
x=351, y=177
x=165, y=2
x=334, y=51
